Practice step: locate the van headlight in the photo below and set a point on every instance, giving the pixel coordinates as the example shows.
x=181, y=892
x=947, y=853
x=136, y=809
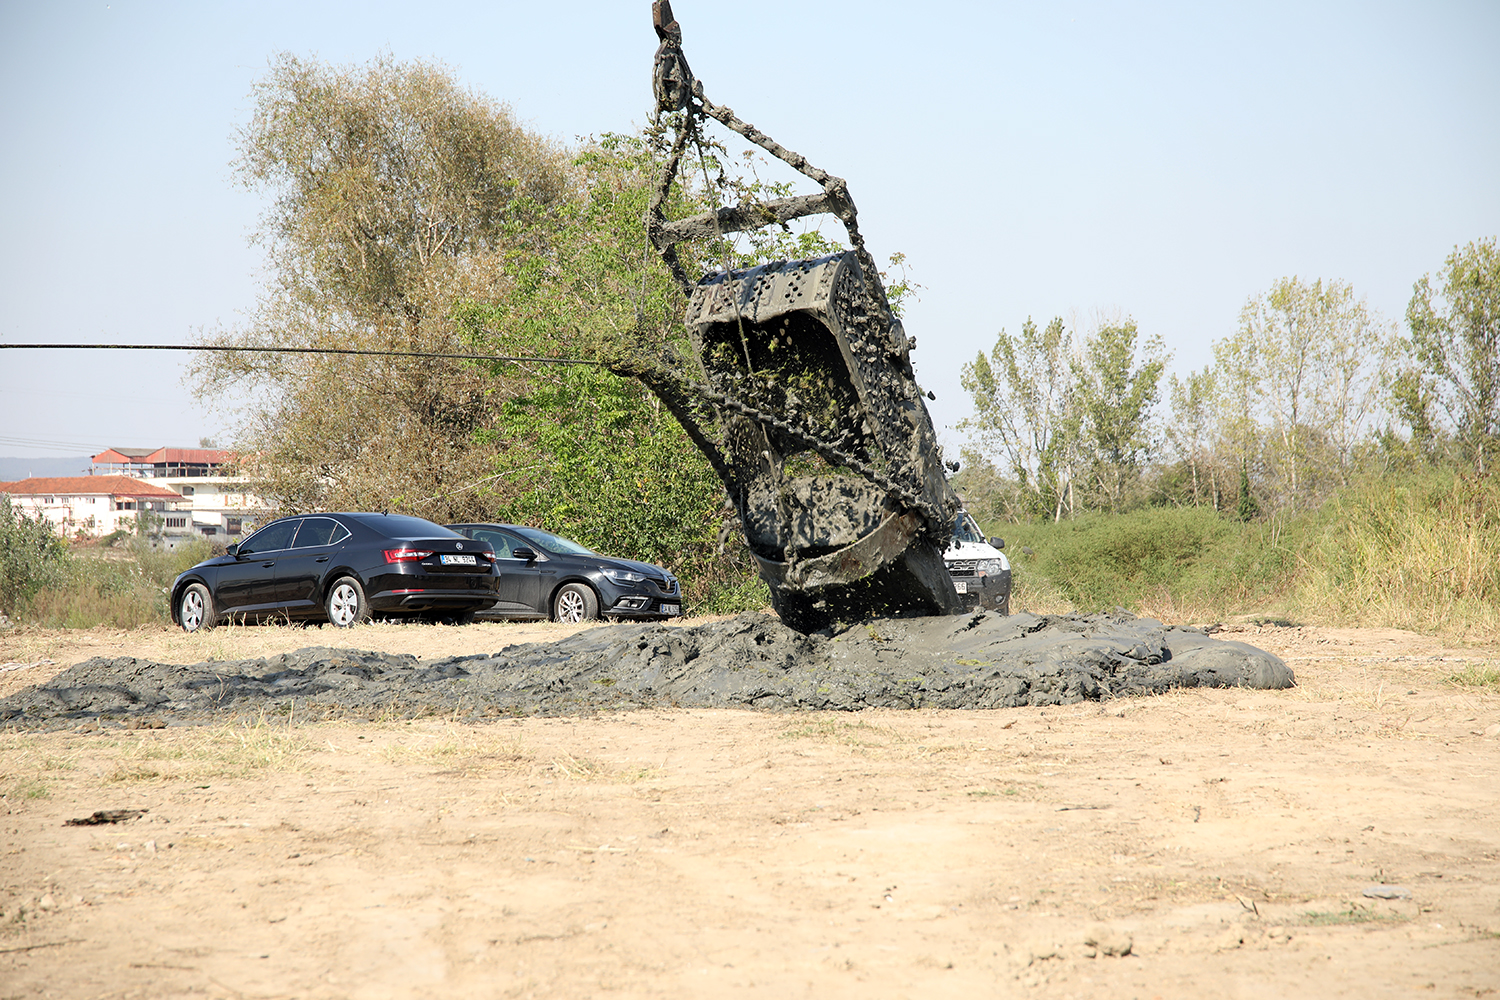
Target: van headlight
x=990, y=566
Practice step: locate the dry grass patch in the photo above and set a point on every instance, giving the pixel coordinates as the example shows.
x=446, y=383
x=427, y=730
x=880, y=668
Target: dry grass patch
x=1484, y=677
x=465, y=750
x=885, y=741
x=860, y=734
x=30, y=767
x=1352, y=914
x=588, y=769
x=229, y=751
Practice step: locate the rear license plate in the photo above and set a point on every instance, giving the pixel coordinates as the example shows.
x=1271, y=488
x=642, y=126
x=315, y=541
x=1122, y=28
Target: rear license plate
x=962, y=586
x=464, y=560
x=671, y=609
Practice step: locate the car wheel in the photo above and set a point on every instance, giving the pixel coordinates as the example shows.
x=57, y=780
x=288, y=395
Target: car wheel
x=346, y=604
x=195, y=608
x=575, y=603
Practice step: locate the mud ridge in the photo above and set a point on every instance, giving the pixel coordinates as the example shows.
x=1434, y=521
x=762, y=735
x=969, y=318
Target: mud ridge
x=753, y=661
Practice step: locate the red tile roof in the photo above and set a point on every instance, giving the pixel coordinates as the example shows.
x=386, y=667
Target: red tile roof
x=161, y=456
x=115, y=486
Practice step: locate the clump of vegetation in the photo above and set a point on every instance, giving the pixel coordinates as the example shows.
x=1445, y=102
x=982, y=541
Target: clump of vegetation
x=1476, y=676
x=1354, y=914
x=1325, y=467
x=45, y=582
x=32, y=556
x=1419, y=550
x=237, y=750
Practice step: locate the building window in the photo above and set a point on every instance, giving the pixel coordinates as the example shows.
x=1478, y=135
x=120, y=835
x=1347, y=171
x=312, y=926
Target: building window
x=232, y=525
x=176, y=522
x=187, y=491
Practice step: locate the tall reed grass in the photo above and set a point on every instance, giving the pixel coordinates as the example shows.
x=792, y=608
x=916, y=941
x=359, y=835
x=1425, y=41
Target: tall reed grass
x=121, y=587
x=1417, y=550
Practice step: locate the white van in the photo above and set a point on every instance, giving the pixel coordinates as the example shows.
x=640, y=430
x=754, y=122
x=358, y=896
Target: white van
x=980, y=571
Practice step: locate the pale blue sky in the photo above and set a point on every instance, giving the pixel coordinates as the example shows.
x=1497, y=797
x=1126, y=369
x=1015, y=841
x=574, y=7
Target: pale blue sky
x=1164, y=161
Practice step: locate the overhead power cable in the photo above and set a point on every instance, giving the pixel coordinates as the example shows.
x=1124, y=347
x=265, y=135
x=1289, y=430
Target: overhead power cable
x=296, y=350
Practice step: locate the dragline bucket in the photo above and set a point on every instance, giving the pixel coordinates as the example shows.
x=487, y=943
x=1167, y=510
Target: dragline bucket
x=802, y=395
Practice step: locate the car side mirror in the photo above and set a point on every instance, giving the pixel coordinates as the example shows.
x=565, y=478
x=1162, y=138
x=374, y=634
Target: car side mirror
x=998, y=543
x=522, y=553
x=233, y=550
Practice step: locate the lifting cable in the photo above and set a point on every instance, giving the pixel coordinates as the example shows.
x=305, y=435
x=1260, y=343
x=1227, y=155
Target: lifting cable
x=296, y=350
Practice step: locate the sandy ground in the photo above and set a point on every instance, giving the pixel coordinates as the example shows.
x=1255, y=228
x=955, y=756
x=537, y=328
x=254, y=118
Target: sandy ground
x=1205, y=843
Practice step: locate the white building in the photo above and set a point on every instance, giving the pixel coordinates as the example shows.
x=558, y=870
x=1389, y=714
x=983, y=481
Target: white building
x=91, y=506
x=218, y=506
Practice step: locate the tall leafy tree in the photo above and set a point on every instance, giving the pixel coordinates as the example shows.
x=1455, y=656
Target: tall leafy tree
x=1115, y=392
x=586, y=452
x=1190, y=431
x=1313, y=358
x=396, y=196
x=1454, y=331
x=1069, y=420
x=1026, y=412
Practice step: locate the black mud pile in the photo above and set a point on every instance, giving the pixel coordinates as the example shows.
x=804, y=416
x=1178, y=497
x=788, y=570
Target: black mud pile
x=753, y=661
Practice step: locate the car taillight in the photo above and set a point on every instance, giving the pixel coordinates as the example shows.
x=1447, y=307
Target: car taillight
x=406, y=555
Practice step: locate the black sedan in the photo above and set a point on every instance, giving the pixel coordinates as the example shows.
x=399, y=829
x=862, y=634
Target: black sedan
x=543, y=575
x=343, y=568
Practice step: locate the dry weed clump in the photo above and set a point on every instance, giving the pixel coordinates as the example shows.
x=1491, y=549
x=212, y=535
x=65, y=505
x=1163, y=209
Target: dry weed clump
x=1484, y=677
x=467, y=751
x=30, y=768
x=227, y=751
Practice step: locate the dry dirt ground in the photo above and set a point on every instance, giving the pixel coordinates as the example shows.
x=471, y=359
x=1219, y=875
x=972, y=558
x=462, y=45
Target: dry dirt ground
x=1205, y=843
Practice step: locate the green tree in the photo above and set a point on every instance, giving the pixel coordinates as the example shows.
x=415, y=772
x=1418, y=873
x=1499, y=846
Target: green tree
x=1069, y=421
x=1454, y=339
x=1026, y=412
x=1115, y=395
x=580, y=450
x=1314, y=360
x=396, y=194
x=1190, y=431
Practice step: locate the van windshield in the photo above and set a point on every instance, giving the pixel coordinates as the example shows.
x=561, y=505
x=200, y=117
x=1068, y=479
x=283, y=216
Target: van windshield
x=965, y=530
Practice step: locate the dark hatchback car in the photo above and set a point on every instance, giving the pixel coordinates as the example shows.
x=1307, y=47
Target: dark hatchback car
x=543, y=575
x=343, y=568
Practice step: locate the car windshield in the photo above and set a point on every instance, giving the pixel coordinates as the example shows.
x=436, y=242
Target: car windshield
x=556, y=544
x=965, y=530
x=401, y=526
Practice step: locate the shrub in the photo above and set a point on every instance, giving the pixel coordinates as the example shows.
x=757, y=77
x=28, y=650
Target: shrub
x=1417, y=550
x=1175, y=562
x=32, y=556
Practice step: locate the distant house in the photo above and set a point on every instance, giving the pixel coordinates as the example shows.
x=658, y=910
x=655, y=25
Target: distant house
x=217, y=505
x=160, y=463
x=96, y=505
